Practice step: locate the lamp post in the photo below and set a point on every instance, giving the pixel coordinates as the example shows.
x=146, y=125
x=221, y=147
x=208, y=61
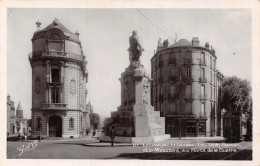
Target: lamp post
x=180, y=99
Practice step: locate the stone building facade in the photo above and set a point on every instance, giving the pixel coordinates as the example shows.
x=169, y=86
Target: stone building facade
x=59, y=78
x=11, y=120
x=16, y=123
x=185, y=88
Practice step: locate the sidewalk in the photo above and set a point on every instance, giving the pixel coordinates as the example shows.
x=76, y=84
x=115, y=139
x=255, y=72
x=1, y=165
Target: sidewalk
x=70, y=139
x=218, y=138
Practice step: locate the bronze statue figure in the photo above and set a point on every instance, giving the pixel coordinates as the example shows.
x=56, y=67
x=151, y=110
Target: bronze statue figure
x=135, y=49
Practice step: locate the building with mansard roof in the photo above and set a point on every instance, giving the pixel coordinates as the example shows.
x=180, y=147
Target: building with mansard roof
x=59, y=78
x=185, y=88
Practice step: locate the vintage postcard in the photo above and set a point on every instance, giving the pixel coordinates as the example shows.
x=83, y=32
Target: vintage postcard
x=87, y=82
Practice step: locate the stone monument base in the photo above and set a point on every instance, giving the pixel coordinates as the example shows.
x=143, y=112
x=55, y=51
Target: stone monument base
x=152, y=139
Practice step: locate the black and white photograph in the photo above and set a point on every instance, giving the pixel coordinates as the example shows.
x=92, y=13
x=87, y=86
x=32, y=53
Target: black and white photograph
x=132, y=83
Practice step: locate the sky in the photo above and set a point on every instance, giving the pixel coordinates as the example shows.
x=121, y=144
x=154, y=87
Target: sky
x=104, y=36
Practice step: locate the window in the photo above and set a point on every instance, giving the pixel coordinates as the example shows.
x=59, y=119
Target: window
x=203, y=72
x=55, y=95
x=202, y=127
x=191, y=127
x=210, y=61
x=202, y=109
x=188, y=91
x=37, y=85
x=55, y=75
x=71, y=123
x=211, y=93
x=55, y=46
x=214, y=93
x=188, y=107
x=202, y=91
x=210, y=76
x=39, y=123
x=188, y=72
x=81, y=122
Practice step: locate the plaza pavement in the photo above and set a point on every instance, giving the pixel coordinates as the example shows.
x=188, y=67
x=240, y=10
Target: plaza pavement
x=171, y=149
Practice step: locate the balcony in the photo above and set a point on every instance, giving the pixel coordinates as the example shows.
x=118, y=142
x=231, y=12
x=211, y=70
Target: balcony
x=55, y=54
x=203, y=79
x=50, y=81
x=188, y=80
x=55, y=106
x=203, y=62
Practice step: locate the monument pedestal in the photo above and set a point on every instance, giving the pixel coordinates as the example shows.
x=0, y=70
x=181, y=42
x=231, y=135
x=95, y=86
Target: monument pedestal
x=135, y=121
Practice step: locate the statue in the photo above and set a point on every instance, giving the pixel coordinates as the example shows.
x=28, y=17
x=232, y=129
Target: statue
x=135, y=49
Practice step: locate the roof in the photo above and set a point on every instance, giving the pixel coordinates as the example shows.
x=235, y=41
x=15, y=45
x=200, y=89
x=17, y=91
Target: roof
x=19, y=107
x=57, y=25
x=181, y=42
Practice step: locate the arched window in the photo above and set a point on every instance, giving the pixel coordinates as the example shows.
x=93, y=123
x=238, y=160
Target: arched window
x=71, y=123
x=39, y=123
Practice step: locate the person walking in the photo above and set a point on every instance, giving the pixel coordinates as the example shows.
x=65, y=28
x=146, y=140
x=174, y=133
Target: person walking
x=112, y=134
x=94, y=133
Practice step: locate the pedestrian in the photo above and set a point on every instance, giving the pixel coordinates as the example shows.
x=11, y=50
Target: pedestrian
x=112, y=135
x=94, y=133
x=25, y=136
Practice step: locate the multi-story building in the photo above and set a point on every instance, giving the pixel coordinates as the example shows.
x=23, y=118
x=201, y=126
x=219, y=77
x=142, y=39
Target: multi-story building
x=16, y=123
x=11, y=120
x=59, y=78
x=184, y=88
x=23, y=124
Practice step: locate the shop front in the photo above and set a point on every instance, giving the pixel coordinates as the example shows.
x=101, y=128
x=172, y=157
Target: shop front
x=185, y=125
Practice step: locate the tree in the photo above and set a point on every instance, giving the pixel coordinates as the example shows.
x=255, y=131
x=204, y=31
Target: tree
x=94, y=120
x=235, y=96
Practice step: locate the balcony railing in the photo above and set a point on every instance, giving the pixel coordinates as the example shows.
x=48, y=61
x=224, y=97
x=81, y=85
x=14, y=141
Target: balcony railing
x=203, y=79
x=50, y=81
x=54, y=106
x=188, y=80
x=40, y=54
x=203, y=62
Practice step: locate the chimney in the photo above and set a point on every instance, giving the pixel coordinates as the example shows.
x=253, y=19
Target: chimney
x=207, y=45
x=8, y=97
x=38, y=24
x=195, y=41
x=165, y=43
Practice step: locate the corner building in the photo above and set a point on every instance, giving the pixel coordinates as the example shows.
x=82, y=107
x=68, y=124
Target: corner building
x=59, y=80
x=184, y=88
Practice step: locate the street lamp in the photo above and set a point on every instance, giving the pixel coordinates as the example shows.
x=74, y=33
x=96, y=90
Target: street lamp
x=180, y=99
